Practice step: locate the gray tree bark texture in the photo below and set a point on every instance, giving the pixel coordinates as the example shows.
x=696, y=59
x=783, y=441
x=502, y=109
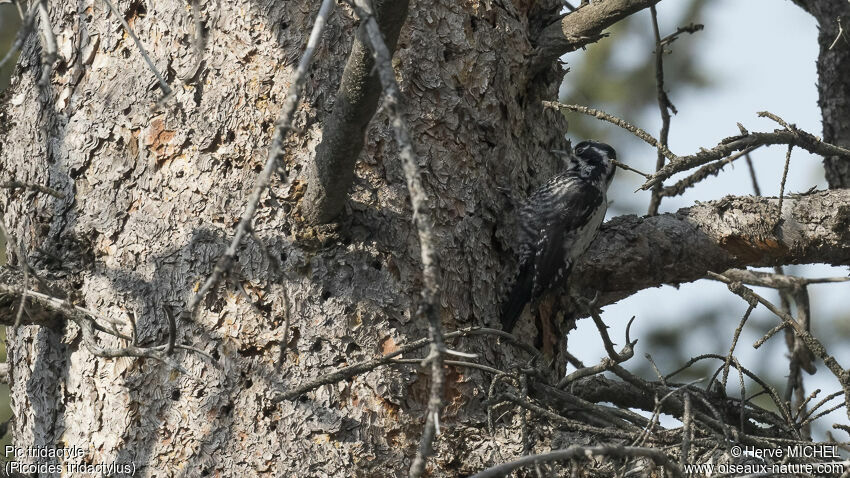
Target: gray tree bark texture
x=833, y=17
x=152, y=192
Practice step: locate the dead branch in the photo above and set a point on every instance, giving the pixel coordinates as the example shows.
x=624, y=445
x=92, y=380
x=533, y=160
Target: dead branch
x=665, y=106
x=580, y=27
x=429, y=307
x=711, y=169
x=599, y=114
x=575, y=451
x=812, y=343
x=728, y=146
x=332, y=170
x=368, y=365
x=632, y=253
x=163, y=85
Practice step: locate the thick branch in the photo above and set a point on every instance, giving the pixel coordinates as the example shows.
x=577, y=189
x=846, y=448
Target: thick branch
x=583, y=26
x=633, y=253
x=332, y=171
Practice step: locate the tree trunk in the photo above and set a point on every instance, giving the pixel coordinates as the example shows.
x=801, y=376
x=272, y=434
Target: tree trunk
x=833, y=17
x=151, y=195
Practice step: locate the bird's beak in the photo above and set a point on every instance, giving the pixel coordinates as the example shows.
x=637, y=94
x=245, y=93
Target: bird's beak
x=560, y=151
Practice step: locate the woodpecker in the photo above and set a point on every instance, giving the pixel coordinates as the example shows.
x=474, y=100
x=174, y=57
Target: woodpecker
x=558, y=222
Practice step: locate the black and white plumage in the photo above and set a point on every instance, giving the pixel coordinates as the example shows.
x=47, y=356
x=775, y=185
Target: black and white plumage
x=557, y=224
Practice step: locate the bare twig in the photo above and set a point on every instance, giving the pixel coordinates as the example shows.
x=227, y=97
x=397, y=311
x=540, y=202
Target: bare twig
x=777, y=400
x=429, y=308
x=690, y=28
x=457, y=363
x=48, y=54
x=726, y=147
x=365, y=366
x=784, y=177
x=711, y=169
x=812, y=343
x=665, y=106
x=777, y=281
x=284, y=124
x=599, y=114
x=27, y=26
x=575, y=451
x=567, y=423
x=613, y=357
x=687, y=424
x=629, y=168
x=166, y=90
x=36, y=187
x=735, y=337
x=756, y=188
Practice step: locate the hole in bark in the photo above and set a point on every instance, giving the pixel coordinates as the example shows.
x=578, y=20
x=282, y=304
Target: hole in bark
x=225, y=410
x=175, y=395
x=352, y=348
x=249, y=351
x=215, y=354
x=137, y=9
x=326, y=294
x=249, y=383
x=377, y=265
x=317, y=346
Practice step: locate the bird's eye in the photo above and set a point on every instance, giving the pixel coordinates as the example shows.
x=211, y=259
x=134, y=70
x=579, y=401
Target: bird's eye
x=581, y=149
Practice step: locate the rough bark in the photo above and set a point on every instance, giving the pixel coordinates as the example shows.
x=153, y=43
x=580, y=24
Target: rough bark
x=833, y=17
x=583, y=26
x=633, y=253
x=152, y=194
x=332, y=170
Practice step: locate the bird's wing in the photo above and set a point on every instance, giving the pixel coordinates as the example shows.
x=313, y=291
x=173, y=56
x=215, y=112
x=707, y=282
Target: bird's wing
x=572, y=207
x=548, y=219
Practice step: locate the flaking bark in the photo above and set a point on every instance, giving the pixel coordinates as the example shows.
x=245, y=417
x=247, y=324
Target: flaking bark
x=633, y=253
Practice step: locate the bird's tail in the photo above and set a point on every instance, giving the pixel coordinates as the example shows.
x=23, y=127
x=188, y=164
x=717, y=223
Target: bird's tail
x=516, y=300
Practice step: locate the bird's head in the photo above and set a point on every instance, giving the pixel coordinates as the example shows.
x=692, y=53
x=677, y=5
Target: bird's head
x=592, y=160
